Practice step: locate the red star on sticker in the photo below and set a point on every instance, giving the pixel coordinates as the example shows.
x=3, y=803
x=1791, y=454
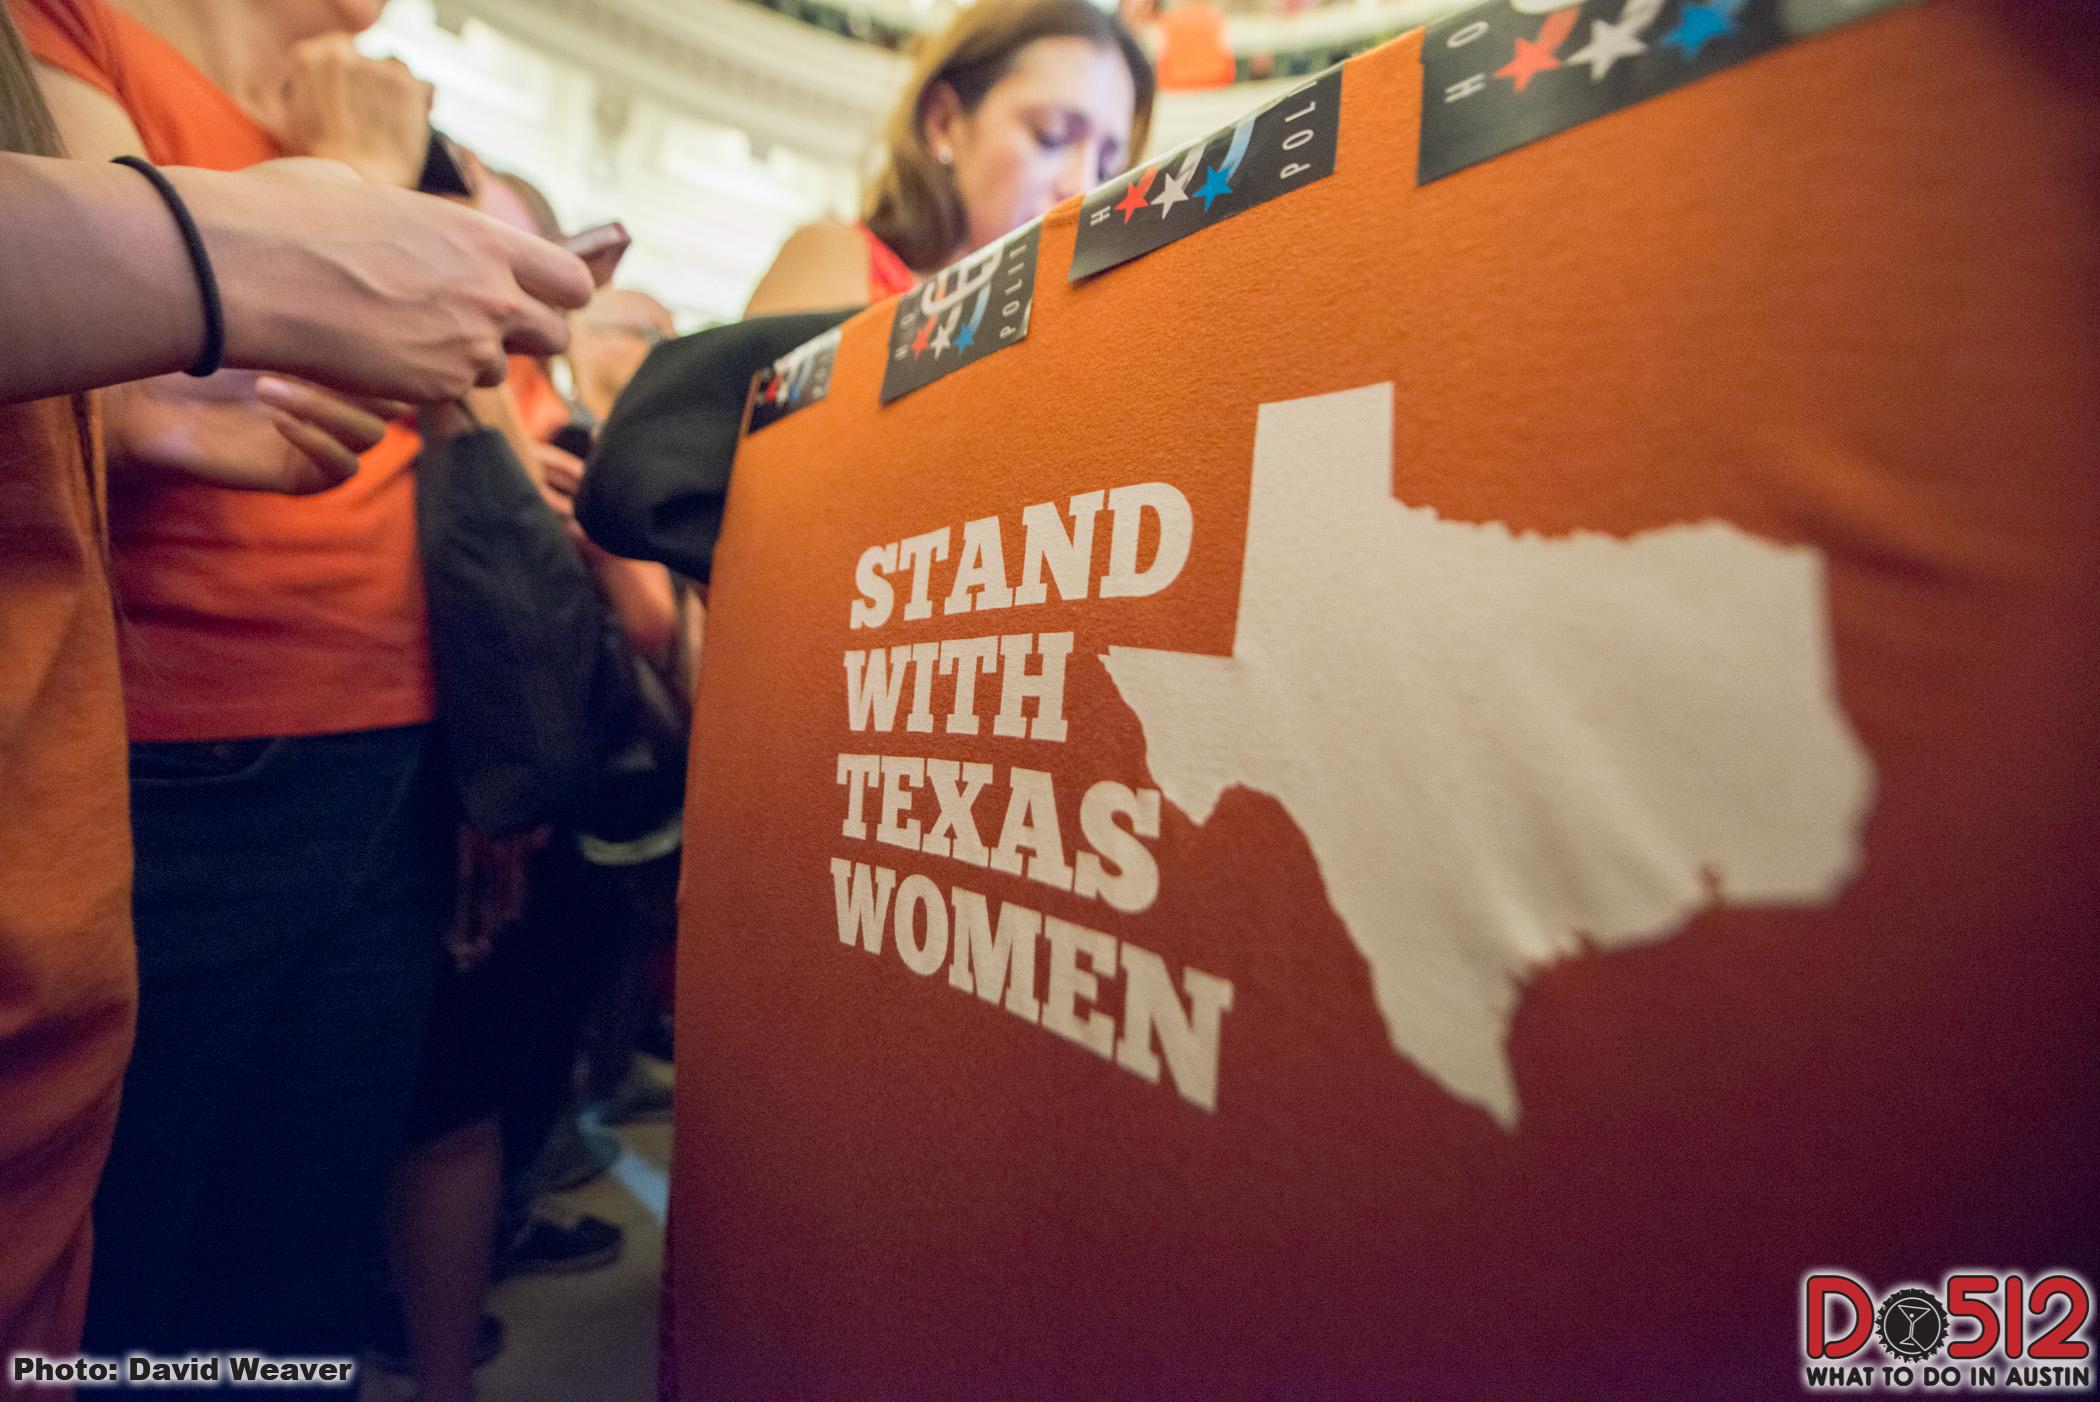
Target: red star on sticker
x=918, y=342
x=772, y=395
x=1134, y=198
x=1535, y=56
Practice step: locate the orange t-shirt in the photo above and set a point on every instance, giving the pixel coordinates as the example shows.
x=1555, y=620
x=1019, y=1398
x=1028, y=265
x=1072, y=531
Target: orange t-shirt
x=67, y=989
x=541, y=409
x=246, y=614
x=1193, y=50
x=1588, y=814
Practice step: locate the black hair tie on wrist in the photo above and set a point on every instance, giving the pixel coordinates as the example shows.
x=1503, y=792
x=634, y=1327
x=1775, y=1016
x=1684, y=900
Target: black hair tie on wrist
x=214, y=353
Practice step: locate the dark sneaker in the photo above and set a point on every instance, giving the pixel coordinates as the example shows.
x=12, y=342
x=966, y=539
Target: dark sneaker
x=545, y=1246
x=574, y=1156
x=388, y=1344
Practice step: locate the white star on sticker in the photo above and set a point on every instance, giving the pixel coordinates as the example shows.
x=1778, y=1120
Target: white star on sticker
x=941, y=339
x=1611, y=42
x=1171, y=195
x=1608, y=44
x=1178, y=184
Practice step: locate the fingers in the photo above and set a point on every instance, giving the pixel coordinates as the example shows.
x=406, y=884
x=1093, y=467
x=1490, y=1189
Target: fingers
x=562, y=469
x=427, y=325
x=350, y=424
x=328, y=431
x=374, y=113
x=562, y=506
x=393, y=411
x=551, y=279
x=426, y=93
x=546, y=272
x=326, y=462
x=319, y=48
x=537, y=330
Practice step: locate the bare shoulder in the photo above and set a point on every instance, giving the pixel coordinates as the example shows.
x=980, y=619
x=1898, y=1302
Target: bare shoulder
x=821, y=267
x=95, y=125
x=833, y=236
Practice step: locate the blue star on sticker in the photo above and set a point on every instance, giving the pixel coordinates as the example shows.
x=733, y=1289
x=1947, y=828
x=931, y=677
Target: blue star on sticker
x=1699, y=26
x=967, y=337
x=1214, y=185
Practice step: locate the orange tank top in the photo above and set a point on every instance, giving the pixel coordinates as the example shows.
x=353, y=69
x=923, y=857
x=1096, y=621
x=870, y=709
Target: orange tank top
x=246, y=614
x=887, y=273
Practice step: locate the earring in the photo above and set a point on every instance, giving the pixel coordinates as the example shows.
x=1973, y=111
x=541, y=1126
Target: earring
x=946, y=156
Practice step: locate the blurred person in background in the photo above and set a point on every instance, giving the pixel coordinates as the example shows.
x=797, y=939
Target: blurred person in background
x=1194, y=49
x=499, y=1062
x=1015, y=107
x=608, y=343
x=602, y=1013
x=98, y=289
x=293, y=833
x=447, y=1183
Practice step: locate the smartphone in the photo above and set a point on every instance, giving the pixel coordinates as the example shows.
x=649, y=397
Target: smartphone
x=444, y=169
x=600, y=249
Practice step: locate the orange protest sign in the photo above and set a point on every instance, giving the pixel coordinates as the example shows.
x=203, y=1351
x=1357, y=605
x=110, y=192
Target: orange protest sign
x=1430, y=790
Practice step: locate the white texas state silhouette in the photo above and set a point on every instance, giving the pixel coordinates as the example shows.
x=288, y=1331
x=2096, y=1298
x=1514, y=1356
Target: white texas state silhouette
x=1499, y=745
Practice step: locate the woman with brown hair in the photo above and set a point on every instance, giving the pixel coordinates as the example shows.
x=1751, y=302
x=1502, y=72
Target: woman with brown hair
x=1016, y=106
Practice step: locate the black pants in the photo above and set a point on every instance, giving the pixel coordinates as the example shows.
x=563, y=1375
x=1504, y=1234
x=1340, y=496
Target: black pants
x=291, y=897
x=504, y=1038
x=635, y=907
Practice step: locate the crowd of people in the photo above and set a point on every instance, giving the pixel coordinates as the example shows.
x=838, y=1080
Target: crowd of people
x=288, y=1047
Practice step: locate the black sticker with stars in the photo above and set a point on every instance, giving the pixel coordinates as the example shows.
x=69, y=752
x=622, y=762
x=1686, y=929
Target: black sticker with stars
x=1279, y=148
x=795, y=381
x=963, y=313
x=1507, y=72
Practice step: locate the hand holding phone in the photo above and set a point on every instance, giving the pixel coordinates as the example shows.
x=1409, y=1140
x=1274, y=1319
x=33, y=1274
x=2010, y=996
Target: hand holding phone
x=371, y=114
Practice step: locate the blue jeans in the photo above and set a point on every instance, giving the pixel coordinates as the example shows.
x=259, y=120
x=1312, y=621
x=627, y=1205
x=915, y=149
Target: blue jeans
x=291, y=900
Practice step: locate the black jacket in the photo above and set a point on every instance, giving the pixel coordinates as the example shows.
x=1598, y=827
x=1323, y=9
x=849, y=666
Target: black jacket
x=659, y=476
x=546, y=709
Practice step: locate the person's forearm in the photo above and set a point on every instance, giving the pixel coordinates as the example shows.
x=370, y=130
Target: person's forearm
x=640, y=595
x=96, y=287
x=369, y=291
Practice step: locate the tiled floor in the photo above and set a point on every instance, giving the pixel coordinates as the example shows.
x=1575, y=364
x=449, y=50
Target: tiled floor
x=588, y=1337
